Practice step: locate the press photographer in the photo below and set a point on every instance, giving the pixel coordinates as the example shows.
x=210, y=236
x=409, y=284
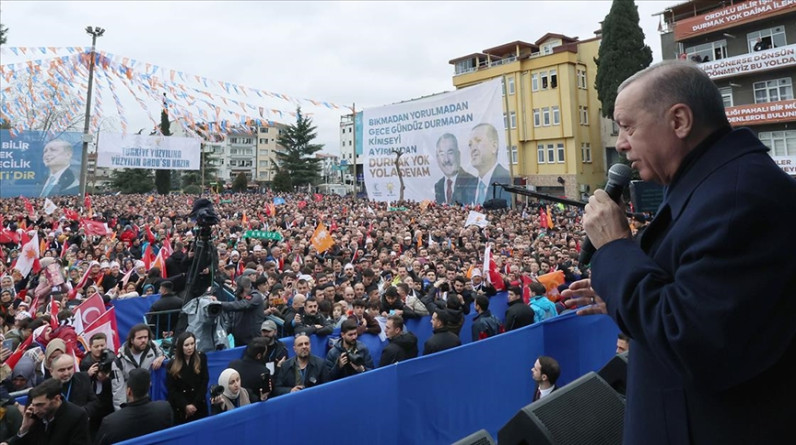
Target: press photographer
x=348, y=356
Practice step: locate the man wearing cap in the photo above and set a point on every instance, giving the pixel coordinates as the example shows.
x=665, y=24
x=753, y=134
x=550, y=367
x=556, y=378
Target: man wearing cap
x=275, y=350
x=168, y=301
x=249, y=309
x=481, y=287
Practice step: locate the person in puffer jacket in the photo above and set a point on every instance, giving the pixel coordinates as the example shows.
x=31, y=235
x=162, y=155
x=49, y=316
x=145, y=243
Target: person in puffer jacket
x=138, y=351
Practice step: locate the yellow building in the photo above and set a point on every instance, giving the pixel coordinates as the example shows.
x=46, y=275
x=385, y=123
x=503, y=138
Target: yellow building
x=552, y=110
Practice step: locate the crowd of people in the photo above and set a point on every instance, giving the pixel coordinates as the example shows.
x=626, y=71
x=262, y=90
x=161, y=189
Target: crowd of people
x=386, y=265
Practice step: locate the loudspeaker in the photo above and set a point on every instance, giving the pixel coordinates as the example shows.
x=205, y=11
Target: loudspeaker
x=615, y=372
x=480, y=437
x=587, y=411
x=495, y=204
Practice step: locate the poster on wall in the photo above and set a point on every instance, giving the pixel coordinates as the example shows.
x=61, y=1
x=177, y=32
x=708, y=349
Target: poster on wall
x=150, y=152
x=39, y=164
x=453, y=145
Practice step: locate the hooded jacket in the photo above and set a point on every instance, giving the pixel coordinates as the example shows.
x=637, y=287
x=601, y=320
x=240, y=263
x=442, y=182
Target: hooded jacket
x=124, y=363
x=401, y=347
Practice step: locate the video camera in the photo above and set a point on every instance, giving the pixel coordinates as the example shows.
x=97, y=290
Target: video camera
x=105, y=362
x=355, y=357
x=204, y=213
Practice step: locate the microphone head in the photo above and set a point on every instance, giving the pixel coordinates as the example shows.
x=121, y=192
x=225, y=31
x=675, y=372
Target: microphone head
x=620, y=174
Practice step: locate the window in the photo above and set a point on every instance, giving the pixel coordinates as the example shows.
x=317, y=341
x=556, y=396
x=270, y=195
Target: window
x=503, y=85
x=263, y=141
x=543, y=75
x=514, y=155
x=556, y=116
x=537, y=118
x=551, y=153
x=561, y=153
x=263, y=163
x=548, y=48
x=585, y=152
x=546, y=116
x=707, y=51
x=773, y=90
x=513, y=119
x=553, y=78
x=769, y=38
x=465, y=66
x=726, y=96
x=511, y=85
x=505, y=121
x=582, y=79
x=535, y=82
x=781, y=143
x=540, y=153
x=614, y=128
x=584, y=114
x=263, y=129
x=233, y=140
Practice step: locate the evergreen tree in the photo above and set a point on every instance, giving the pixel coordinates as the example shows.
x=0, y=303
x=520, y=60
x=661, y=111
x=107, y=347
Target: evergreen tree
x=132, y=180
x=282, y=182
x=622, y=52
x=163, y=177
x=297, y=158
x=241, y=182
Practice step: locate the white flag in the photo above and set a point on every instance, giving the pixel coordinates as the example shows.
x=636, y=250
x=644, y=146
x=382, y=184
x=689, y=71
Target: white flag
x=29, y=256
x=49, y=206
x=476, y=218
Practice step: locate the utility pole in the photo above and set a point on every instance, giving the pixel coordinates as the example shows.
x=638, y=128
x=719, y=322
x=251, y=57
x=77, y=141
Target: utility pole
x=95, y=32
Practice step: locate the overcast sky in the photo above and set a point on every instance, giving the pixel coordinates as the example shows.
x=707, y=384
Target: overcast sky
x=368, y=53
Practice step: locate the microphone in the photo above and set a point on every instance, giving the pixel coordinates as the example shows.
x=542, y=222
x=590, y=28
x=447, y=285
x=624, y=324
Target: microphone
x=618, y=178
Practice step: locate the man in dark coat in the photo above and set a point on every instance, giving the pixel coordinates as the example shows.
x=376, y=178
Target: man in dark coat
x=456, y=185
x=304, y=370
x=249, y=312
x=442, y=338
x=168, y=301
x=701, y=356
x=139, y=416
x=67, y=423
x=518, y=314
x=76, y=386
x=402, y=346
x=254, y=375
x=311, y=321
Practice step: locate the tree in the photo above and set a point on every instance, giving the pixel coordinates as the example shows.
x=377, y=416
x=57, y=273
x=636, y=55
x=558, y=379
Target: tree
x=3, y=34
x=297, y=159
x=241, y=183
x=282, y=182
x=622, y=52
x=132, y=180
x=194, y=177
x=163, y=177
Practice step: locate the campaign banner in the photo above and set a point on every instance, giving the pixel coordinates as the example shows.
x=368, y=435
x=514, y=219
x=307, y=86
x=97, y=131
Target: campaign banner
x=453, y=144
x=40, y=164
x=150, y=152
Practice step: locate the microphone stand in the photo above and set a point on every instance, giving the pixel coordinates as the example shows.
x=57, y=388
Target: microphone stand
x=579, y=204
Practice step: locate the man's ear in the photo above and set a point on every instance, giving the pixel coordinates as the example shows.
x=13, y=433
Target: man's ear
x=681, y=120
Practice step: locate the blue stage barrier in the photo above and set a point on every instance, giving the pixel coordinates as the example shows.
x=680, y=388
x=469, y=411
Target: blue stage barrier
x=436, y=399
x=130, y=311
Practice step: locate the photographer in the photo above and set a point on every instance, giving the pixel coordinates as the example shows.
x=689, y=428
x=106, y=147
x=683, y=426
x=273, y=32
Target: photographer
x=302, y=371
x=348, y=356
x=229, y=393
x=248, y=312
x=311, y=322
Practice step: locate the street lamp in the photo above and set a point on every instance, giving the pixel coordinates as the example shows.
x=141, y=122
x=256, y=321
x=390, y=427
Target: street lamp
x=95, y=32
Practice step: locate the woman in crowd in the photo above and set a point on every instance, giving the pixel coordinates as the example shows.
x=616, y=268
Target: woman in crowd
x=234, y=395
x=186, y=380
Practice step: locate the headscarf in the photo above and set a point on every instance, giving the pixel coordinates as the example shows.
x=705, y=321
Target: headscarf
x=223, y=380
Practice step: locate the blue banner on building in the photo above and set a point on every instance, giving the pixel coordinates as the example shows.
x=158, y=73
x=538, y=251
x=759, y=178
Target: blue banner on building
x=39, y=164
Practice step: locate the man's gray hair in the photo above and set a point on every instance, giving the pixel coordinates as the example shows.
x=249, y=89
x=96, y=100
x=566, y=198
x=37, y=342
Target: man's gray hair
x=679, y=81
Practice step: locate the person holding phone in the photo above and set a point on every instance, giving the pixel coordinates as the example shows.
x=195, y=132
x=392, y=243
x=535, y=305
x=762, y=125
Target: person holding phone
x=50, y=420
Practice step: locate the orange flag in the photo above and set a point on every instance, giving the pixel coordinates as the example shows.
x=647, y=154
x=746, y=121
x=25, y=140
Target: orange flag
x=549, y=218
x=551, y=281
x=321, y=239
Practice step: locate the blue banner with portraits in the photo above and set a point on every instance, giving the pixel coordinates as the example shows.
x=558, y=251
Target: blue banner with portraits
x=40, y=164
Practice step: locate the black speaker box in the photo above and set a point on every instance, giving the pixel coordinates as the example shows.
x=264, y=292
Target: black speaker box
x=495, y=204
x=586, y=411
x=615, y=373
x=480, y=437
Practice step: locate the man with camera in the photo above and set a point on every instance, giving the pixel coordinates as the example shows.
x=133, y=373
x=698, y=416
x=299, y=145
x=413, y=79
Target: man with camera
x=348, y=356
x=304, y=370
x=311, y=321
x=249, y=311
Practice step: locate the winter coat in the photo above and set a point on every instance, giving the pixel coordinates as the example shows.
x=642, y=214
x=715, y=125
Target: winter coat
x=401, y=347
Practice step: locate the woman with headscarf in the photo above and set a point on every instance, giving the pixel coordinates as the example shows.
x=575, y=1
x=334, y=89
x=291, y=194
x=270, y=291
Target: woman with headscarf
x=234, y=395
x=186, y=380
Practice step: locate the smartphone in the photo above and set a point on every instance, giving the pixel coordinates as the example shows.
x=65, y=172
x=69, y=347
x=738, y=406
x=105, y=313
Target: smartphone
x=8, y=344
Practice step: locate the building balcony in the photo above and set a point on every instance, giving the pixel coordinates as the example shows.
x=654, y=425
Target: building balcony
x=751, y=63
x=765, y=113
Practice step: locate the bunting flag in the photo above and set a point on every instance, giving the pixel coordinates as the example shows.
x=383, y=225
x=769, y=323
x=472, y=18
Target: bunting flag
x=28, y=259
x=491, y=270
x=321, y=239
x=105, y=323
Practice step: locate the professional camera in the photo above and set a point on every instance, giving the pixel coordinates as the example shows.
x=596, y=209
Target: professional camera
x=216, y=390
x=213, y=309
x=356, y=358
x=203, y=213
x=105, y=362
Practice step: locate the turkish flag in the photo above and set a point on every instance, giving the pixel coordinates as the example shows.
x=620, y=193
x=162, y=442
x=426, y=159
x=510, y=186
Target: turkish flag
x=94, y=227
x=318, y=197
x=105, y=323
x=88, y=311
x=28, y=206
x=71, y=214
x=148, y=257
x=491, y=270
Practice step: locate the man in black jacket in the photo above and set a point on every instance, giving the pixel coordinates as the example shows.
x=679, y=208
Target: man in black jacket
x=76, y=386
x=168, y=301
x=249, y=311
x=518, y=314
x=254, y=375
x=275, y=350
x=302, y=371
x=311, y=321
x=66, y=423
x=138, y=416
x=402, y=346
x=348, y=356
x=485, y=324
x=442, y=338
